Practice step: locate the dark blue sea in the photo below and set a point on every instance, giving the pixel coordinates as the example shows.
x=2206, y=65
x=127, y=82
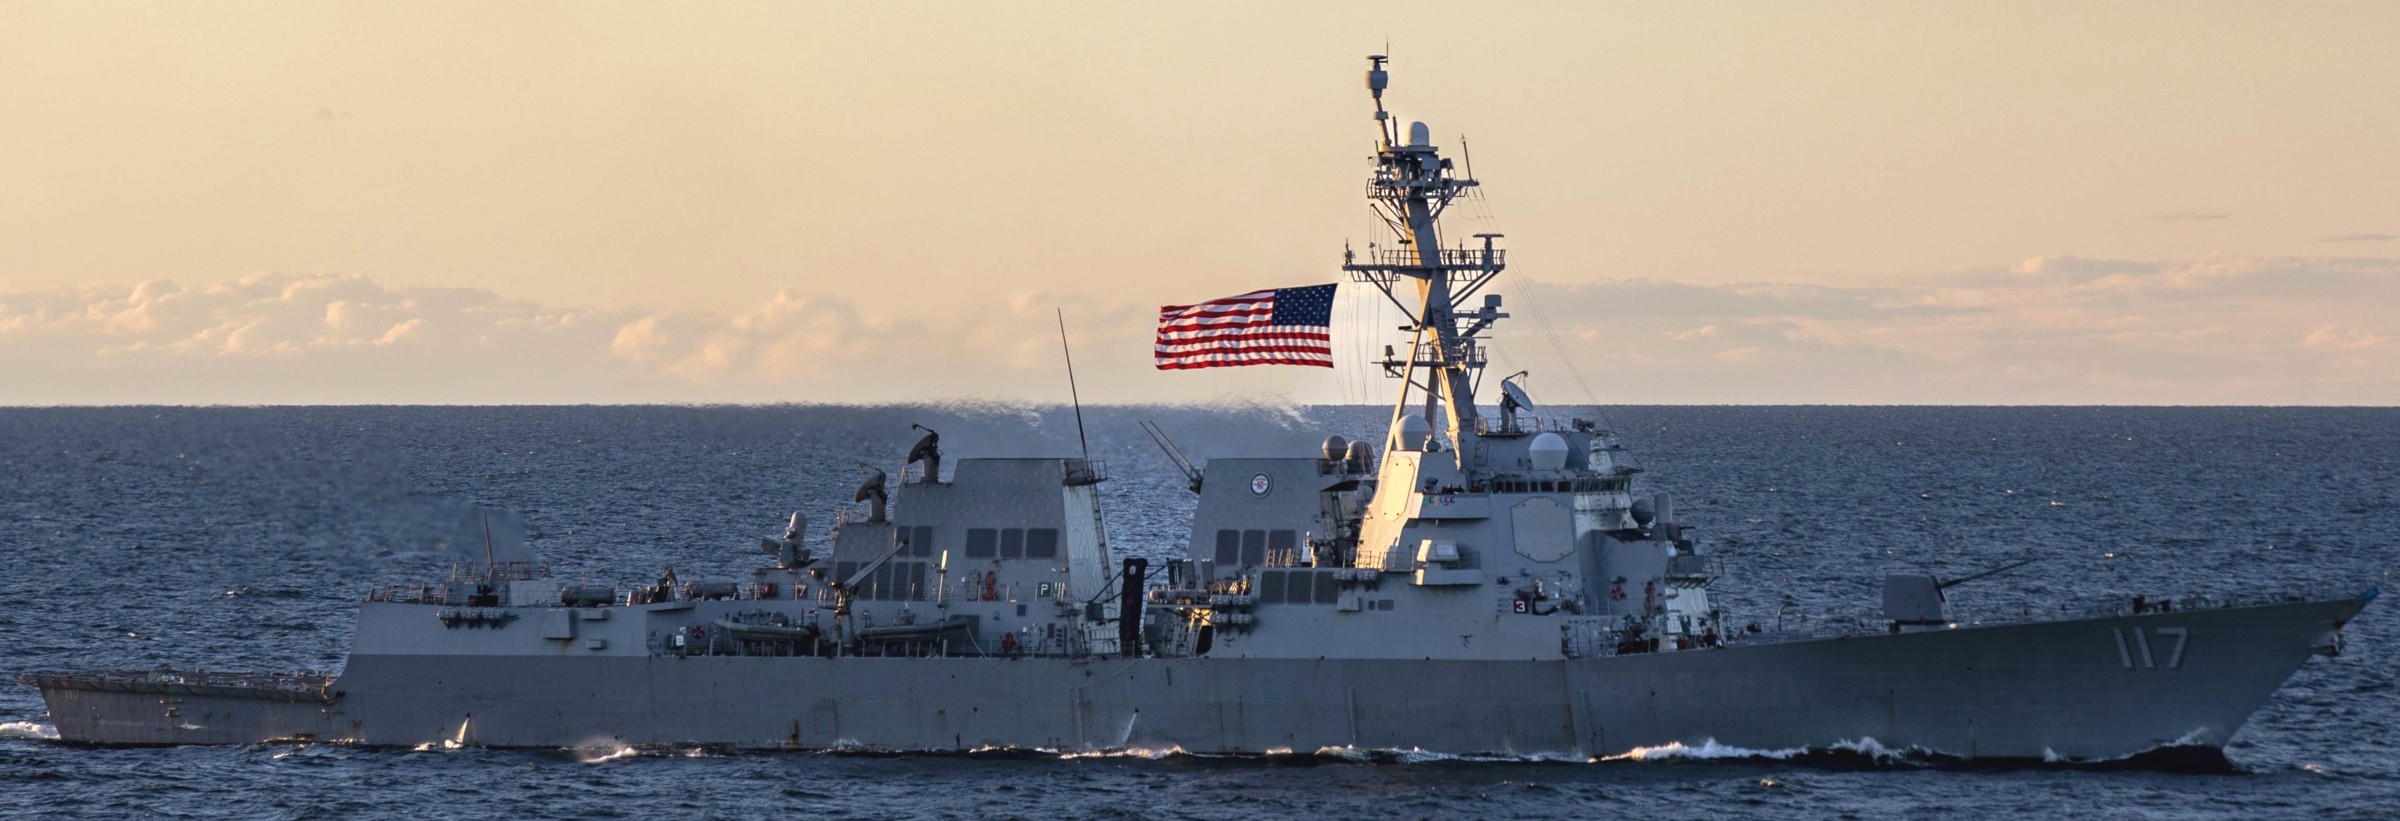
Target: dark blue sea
x=242, y=538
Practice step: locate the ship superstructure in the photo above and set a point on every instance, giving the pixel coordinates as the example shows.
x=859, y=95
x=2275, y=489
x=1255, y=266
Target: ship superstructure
x=1480, y=580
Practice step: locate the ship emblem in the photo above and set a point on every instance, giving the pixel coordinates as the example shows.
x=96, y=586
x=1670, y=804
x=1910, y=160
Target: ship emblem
x=1259, y=485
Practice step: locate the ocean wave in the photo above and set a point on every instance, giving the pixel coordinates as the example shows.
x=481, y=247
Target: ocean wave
x=601, y=751
x=28, y=729
x=1146, y=753
x=1864, y=749
x=1706, y=750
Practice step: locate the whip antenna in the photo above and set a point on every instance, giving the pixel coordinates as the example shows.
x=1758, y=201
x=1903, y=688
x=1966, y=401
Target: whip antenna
x=1071, y=393
x=489, y=568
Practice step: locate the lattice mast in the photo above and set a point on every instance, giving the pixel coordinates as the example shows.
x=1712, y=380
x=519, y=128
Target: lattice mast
x=1412, y=185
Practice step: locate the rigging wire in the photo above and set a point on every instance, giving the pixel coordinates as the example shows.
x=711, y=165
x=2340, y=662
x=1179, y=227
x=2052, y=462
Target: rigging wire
x=1541, y=318
x=1480, y=209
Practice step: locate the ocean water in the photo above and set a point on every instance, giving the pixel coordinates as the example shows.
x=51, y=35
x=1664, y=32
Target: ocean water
x=241, y=538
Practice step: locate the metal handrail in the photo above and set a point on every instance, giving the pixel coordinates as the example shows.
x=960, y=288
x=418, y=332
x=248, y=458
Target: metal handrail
x=1389, y=258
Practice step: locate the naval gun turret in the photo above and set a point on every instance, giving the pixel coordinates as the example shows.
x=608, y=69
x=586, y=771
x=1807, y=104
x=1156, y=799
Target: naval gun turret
x=1915, y=601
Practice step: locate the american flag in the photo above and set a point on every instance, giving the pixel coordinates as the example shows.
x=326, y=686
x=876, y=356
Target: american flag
x=1284, y=326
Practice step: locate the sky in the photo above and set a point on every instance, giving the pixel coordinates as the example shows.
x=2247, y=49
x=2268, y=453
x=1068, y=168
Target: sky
x=428, y=202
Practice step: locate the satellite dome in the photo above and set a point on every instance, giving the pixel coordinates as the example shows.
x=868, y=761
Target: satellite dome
x=1548, y=452
x=1361, y=458
x=1335, y=446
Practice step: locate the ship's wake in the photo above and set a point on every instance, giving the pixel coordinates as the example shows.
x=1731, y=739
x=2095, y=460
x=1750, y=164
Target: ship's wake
x=2184, y=755
x=28, y=729
x=601, y=751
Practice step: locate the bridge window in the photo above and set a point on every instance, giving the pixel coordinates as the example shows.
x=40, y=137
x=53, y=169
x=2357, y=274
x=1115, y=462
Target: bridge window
x=1328, y=587
x=1229, y=547
x=1012, y=543
x=982, y=542
x=920, y=541
x=1041, y=543
x=1270, y=586
x=1282, y=547
x=1254, y=548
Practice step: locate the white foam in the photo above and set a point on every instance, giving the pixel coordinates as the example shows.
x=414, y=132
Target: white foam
x=603, y=750
x=28, y=729
x=1708, y=749
x=1418, y=755
x=1146, y=753
x=1351, y=754
x=2195, y=738
x=1869, y=747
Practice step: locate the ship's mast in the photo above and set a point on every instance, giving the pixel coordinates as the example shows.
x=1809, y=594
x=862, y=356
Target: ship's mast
x=1411, y=188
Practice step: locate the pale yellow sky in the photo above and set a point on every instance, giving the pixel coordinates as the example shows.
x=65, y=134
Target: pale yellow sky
x=933, y=177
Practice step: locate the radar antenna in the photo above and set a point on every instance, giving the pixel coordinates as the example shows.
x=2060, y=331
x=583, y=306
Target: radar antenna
x=1411, y=187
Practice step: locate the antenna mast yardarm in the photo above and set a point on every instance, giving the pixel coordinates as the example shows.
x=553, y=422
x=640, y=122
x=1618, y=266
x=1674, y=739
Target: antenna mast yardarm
x=1411, y=187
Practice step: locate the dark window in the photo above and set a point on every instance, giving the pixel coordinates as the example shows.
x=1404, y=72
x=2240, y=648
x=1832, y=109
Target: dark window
x=882, y=588
x=1270, y=587
x=1012, y=543
x=1281, y=547
x=843, y=570
x=1254, y=547
x=920, y=542
x=1328, y=587
x=1229, y=547
x=981, y=541
x=1041, y=543
x=916, y=581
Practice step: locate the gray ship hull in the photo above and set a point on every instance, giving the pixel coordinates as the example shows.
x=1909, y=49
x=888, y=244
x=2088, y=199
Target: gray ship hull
x=2084, y=689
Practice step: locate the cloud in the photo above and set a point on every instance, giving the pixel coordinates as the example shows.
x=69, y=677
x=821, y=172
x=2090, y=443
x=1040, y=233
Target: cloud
x=2052, y=329
x=2192, y=216
x=2347, y=339
x=2359, y=238
x=279, y=338
x=286, y=338
x=2058, y=329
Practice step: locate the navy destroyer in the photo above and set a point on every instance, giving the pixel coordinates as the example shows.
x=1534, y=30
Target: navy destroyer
x=1484, y=579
